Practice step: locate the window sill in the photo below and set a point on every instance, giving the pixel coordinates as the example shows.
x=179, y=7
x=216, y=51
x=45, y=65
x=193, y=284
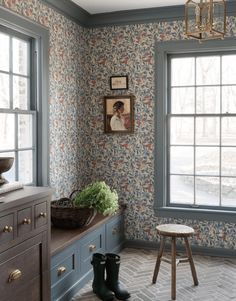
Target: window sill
x=196, y=214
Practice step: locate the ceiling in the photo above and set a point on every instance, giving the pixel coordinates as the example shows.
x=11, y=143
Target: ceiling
x=104, y=6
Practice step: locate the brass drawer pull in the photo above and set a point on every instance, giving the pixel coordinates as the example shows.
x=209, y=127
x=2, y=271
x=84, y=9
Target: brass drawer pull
x=61, y=270
x=43, y=214
x=8, y=229
x=14, y=275
x=26, y=221
x=92, y=248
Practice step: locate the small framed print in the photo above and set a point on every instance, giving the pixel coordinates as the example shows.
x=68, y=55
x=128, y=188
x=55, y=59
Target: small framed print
x=119, y=114
x=119, y=82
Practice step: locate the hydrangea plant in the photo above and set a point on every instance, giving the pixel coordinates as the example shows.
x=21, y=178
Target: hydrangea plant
x=98, y=195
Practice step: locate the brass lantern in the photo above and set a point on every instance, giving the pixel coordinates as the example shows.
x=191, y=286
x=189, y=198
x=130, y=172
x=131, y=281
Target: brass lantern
x=205, y=19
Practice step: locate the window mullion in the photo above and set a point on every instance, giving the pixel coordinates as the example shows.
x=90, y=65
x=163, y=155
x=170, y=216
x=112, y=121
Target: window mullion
x=194, y=133
x=11, y=73
x=17, y=148
x=220, y=137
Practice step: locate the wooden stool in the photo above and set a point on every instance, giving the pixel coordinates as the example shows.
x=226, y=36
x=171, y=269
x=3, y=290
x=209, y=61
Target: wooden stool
x=173, y=231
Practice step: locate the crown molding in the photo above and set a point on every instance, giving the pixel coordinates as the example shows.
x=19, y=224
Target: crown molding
x=136, y=16
x=70, y=10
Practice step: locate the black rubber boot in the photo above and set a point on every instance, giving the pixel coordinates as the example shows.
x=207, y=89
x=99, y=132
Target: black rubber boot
x=99, y=286
x=112, y=280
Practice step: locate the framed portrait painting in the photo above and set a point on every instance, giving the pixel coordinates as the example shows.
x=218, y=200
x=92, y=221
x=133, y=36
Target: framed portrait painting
x=119, y=114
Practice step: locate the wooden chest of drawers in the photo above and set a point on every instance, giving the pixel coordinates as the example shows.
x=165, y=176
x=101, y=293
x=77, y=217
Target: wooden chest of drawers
x=24, y=245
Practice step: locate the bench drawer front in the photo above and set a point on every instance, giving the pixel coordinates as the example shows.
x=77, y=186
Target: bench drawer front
x=93, y=243
x=114, y=233
x=63, y=271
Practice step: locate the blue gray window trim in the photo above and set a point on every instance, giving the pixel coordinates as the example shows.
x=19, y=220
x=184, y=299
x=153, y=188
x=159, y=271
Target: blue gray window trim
x=162, y=50
x=41, y=37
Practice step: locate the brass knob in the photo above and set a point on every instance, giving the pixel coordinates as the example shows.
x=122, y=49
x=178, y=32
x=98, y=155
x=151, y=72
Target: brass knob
x=92, y=248
x=43, y=214
x=8, y=229
x=61, y=270
x=14, y=275
x=26, y=221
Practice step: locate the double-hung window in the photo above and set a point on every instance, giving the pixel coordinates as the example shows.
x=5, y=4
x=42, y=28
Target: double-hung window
x=196, y=160
x=24, y=98
x=17, y=106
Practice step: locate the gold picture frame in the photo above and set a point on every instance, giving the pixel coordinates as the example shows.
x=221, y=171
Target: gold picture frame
x=119, y=114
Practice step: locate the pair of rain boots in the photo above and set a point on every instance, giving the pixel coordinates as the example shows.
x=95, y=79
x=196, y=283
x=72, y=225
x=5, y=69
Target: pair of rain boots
x=104, y=288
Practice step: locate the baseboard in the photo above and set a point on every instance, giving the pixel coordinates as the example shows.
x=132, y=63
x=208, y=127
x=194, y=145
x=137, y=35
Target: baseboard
x=220, y=252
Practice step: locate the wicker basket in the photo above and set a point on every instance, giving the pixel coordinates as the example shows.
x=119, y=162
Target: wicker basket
x=67, y=216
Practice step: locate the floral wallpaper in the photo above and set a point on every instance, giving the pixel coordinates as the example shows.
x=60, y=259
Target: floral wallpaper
x=81, y=63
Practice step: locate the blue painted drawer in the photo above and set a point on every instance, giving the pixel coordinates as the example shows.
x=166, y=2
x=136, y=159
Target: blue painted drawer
x=115, y=234
x=63, y=272
x=92, y=243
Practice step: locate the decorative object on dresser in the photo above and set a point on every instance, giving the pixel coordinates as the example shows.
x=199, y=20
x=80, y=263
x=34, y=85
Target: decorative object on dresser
x=5, y=165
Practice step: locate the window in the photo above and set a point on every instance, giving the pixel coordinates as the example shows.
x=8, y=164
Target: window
x=17, y=106
x=24, y=98
x=196, y=125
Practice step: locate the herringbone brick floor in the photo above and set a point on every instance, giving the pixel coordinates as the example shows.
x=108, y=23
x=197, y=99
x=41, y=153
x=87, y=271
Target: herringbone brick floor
x=217, y=279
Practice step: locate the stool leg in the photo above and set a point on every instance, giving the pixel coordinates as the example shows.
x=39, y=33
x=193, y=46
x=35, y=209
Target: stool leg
x=190, y=258
x=158, y=262
x=173, y=268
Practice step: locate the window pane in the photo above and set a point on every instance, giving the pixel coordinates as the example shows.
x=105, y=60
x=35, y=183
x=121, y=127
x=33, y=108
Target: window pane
x=10, y=175
x=25, y=167
x=229, y=131
x=4, y=52
x=25, y=130
x=182, y=71
x=208, y=100
x=20, y=92
x=228, y=161
x=207, y=191
x=181, y=189
x=229, y=99
x=7, y=131
x=20, y=56
x=182, y=130
x=208, y=70
x=180, y=164
x=228, y=192
x=182, y=100
x=4, y=91
x=207, y=130
x=207, y=161
x=228, y=69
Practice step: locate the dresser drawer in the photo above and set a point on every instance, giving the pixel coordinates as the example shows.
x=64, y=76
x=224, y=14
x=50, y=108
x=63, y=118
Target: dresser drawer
x=93, y=243
x=40, y=214
x=24, y=221
x=17, y=271
x=114, y=233
x=6, y=228
x=63, y=271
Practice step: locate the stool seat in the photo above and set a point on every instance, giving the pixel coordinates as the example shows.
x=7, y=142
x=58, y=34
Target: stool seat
x=176, y=230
